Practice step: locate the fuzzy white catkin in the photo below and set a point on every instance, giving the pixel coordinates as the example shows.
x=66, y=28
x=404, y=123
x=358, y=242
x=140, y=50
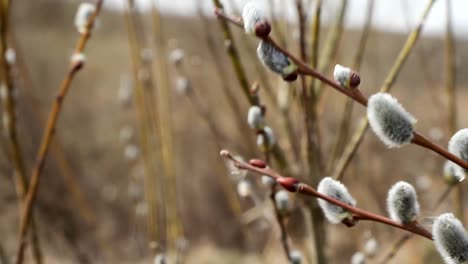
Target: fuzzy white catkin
x=78, y=58
x=282, y=200
x=176, y=56
x=453, y=173
x=389, y=120
x=274, y=59
x=342, y=74
x=255, y=117
x=402, y=202
x=267, y=181
x=270, y=138
x=10, y=56
x=335, y=189
x=160, y=259
x=131, y=152
x=296, y=257
x=244, y=189
x=83, y=14
x=458, y=145
x=358, y=258
x=451, y=239
x=182, y=85
x=251, y=15
x=371, y=246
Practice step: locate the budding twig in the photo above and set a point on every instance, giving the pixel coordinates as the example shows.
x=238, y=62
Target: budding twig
x=355, y=94
x=294, y=185
x=49, y=133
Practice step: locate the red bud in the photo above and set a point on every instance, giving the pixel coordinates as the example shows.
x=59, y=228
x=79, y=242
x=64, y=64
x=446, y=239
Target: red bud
x=288, y=183
x=290, y=77
x=354, y=80
x=262, y=29
x=257, y=163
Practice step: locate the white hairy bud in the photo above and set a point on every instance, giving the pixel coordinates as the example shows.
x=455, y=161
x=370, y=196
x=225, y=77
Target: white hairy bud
x=334, y=189
x=358, y=258
x=451, y=239
x=131, y=152
x=402, y=202
x=342, y=75
x=389, y=120
x=182, y=85
x=458, y=145
x=83, y=14
x=244, y=188
x=266, y=140
x=176, y=57
x=160, y=259
x=251, y=15
x=268, y=181
x=371, y=246
x=453, y=173
x=274, y=59
x=282, y=200
x=10, y=56
x=296, y=257
x=255, y=117
x=78, y=59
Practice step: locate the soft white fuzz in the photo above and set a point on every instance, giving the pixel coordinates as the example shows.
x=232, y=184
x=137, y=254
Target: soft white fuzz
x=451, y=239
x=251, y=15
x=389, y=120
x=402, y=202
x=335, y=189
x=274, y=59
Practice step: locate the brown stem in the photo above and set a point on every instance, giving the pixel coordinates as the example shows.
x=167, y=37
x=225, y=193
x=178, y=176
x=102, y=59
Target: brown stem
x=358, y=214
x=425, y=143
x=48, y=135
x=355, y=94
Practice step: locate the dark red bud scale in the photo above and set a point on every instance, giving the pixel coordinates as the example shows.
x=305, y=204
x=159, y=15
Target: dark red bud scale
x=262, y=29
x=288, y=183
x=290, y=77
x=257, y=163
x=354, y=80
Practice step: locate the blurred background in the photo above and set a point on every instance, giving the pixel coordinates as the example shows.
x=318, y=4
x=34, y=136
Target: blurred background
x=139, y=136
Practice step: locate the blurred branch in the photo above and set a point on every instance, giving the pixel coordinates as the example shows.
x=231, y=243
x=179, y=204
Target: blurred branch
x=10, y=126
x=226, y=89
x=241, y=74
x=331, y=46
x=313, y=151
x=450, y=89
x=146, y=119
x=164, y=103
x=48, y=134
x=294, y=185
x=343, y=132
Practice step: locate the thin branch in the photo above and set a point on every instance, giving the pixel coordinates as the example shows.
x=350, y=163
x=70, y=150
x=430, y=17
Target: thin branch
x=300, y=187
x=355, y=94
x=10, y=125
x=386, y=86
x=48, y=136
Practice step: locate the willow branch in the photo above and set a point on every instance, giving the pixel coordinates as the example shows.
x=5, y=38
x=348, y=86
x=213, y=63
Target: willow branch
x=292, y=184
x=355, y=94
x=49, y=134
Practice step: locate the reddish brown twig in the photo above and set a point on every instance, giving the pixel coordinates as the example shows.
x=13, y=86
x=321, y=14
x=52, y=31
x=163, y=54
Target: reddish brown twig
x=49, y=134
x=354, y=94
x=294, y=185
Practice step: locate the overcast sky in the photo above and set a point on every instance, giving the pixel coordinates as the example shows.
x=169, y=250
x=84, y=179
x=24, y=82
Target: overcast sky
x=389, y=15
